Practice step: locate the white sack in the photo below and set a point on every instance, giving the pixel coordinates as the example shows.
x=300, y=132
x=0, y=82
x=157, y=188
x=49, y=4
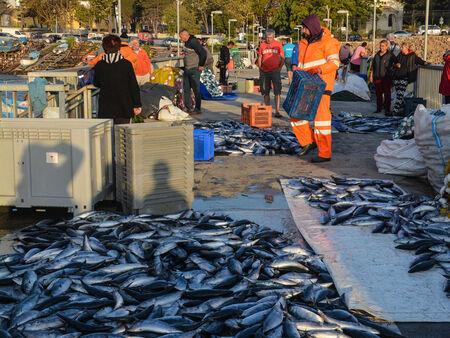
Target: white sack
x=400, y=157
x=435, y=160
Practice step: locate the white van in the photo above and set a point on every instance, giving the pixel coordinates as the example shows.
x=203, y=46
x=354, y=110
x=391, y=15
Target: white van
x=15, y=32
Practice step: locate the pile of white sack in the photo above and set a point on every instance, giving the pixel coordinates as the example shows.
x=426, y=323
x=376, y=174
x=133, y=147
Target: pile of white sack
x=427, y=154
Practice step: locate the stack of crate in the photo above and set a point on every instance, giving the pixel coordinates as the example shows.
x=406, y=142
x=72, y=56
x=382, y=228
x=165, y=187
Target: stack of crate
x=154, y=167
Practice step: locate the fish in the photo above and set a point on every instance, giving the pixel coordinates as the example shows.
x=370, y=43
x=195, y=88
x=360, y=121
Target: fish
x=385, y=208
x=365, y=124
x=100, y=274
x=236, y=138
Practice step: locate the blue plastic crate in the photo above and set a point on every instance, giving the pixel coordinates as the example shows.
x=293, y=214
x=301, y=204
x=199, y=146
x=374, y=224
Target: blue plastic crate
x=203, y=144
x=304, y=96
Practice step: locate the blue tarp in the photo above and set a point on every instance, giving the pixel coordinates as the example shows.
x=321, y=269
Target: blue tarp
x=37, y=95
x=207, y=96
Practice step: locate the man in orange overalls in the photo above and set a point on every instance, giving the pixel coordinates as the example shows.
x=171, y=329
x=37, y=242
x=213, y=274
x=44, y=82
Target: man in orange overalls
x=318, y=53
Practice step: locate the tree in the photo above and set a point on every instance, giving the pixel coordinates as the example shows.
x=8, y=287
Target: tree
x=292, y=12
x=188, y=19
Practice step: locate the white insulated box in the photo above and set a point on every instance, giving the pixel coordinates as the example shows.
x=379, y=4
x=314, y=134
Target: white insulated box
x=55, y=162
x=154, y=167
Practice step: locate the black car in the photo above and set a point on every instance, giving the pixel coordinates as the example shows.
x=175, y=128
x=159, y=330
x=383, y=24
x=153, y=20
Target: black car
x=37, y=37
x=354, y=37
x=52, y=38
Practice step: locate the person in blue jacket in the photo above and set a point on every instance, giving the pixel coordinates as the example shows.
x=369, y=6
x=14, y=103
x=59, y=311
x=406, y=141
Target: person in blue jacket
x=288, y=49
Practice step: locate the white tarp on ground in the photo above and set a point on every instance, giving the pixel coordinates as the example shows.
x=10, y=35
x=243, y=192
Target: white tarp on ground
x=370, y=271
x=354, y=84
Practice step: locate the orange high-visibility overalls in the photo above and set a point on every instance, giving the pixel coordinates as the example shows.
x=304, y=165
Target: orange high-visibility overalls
x=324, y=54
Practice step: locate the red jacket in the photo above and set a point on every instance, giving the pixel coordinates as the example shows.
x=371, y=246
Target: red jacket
x=444, y=87
x=144, y=66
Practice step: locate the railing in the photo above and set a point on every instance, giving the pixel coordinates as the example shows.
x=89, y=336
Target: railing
x=66, y=77
x=55, y=93
x=163, y=62
x=82, y=103
x=427, y=85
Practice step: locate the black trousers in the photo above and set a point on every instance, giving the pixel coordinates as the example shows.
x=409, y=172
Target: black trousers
x=447, y=100
x=223, y=80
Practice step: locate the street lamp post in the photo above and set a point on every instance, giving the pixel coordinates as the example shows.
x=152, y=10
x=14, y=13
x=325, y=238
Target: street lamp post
x=212, y=28
x=346, y=24
x=119, y=16
x=329, y=22
x=427, y=14
x=178, y=27
x=298, y=33
x=374, y=28
x=229, y=23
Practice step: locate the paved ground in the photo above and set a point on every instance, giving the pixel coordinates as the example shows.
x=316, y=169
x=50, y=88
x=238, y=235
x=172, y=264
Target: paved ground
x=244, y=187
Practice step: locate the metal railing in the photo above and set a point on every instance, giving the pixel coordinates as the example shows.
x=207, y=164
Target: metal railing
x=55, y=95
x=427, y=85
x=66, y=77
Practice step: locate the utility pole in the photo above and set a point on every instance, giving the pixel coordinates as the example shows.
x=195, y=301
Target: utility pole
x=119, y=16
x=374, y=28
x=178, y=27
x=427, y=14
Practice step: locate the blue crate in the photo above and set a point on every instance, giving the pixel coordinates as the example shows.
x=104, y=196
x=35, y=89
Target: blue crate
x=304, y=96
x=203, y=144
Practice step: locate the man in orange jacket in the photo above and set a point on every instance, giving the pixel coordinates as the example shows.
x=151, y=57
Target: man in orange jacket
x=126, y=52
x=318, y=53
x=144, y=67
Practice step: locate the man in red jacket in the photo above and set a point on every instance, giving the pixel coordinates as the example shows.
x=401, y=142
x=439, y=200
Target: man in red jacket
x=444, y=87
x=144, y=67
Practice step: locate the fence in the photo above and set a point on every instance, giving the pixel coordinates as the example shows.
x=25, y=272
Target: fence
x=56, y=97
x=427, y=85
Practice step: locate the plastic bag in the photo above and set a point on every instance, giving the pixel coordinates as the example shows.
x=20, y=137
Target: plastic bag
x=354, y=84
x=400, y=157
x=432, y=135
x=169, y=112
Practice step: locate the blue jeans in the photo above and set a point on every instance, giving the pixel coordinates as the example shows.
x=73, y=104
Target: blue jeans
x=191, y=80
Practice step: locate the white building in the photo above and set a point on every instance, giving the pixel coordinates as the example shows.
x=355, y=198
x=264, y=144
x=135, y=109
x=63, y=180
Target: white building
x=391, y=17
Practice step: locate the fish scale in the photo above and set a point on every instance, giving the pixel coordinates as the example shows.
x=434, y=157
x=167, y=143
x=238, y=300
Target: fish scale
x=175, y=283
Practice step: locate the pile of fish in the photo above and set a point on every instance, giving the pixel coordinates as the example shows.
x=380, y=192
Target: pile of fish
x=416, y=220
x=357, y=123
x=237, y=138
x=187, y=275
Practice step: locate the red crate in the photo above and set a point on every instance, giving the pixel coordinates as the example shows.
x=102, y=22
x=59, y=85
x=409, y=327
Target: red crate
x=226, y=89
x=255, y=89
x=256, y=115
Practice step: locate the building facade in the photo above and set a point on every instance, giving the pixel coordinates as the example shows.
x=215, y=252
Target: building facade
x=390, y=19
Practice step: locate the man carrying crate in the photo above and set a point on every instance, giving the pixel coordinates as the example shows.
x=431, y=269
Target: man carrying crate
x=318, y=53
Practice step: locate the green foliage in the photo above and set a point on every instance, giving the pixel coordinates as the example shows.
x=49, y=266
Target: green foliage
x=292, y=12
x=71, y=41
x=188, y=19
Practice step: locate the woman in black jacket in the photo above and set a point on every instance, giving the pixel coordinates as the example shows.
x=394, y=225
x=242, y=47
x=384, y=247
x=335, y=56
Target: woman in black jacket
x=120, y=97
x=381, y=77
x=405, y=72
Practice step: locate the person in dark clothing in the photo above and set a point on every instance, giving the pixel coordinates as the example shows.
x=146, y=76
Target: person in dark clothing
x=345, y=54
x=194, y=63
x=209, y=64
x=405, y=72
x=224, y=59
x=380, y=76
x=120, y=97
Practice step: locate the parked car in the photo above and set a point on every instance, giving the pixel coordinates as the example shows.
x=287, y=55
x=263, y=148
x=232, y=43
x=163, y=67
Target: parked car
x=354, y=37
x=37, y=37
x=170, y=42
x=432, y=30
x=400, y=34
x=52, y=38
x=95, y=39
x=16, y=32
